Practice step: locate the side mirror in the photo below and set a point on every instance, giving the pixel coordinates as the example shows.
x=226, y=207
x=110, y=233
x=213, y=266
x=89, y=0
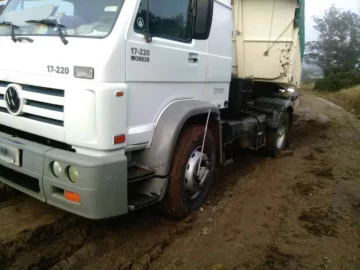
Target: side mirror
x=203, y=15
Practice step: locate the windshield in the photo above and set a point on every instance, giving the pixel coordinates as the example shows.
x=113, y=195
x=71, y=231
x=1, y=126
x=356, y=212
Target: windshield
x=90, y=18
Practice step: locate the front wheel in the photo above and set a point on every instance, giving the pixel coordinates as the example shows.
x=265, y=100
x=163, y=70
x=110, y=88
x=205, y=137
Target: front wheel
x=277, y=139
x=191, y=173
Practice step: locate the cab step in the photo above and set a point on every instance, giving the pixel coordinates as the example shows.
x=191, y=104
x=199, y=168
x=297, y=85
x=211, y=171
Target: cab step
x=136, y=173
x=139, y=200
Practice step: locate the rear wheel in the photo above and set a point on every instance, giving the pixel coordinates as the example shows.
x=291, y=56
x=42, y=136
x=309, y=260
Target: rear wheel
x=189, y=183
x=277, y=139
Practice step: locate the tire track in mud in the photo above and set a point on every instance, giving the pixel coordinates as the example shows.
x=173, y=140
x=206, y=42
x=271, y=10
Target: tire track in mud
x=129, y=248
x=25, y=222
x=65, y=241
x=23, y=250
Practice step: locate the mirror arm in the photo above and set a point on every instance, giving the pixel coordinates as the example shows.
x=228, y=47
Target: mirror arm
x=147, y=36
x=193, y=17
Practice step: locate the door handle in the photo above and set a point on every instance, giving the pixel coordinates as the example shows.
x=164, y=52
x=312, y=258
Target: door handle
x=193, y=58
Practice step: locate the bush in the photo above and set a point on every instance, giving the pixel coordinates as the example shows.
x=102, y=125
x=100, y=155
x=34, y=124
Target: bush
x=339, y=81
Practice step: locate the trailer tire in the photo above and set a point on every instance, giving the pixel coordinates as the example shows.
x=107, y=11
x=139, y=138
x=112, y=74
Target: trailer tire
x=186, y=192
x=277, y=139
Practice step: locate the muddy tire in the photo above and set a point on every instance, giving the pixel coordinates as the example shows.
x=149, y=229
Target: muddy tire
x=277, y=139
x=187, y=190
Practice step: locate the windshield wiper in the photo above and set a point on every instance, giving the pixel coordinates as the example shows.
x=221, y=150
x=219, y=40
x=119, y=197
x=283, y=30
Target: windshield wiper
x=52, y=23
x=13, y=27
x=21, y=39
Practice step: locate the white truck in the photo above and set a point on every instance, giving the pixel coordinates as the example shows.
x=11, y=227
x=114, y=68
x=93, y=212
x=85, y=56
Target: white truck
x=110, y=106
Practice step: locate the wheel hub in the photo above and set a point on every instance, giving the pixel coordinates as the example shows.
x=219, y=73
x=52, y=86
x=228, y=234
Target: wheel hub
x=195, y=179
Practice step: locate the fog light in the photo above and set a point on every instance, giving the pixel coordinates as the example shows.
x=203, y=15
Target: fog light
x=56, y=169
x=73, y=174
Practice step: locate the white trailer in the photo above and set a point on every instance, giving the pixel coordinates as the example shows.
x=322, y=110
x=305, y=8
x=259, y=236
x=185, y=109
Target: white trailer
x=110, y=106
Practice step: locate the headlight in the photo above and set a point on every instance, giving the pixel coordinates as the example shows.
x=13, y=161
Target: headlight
x=73, y=174
x=84, y=72
x=56, y=169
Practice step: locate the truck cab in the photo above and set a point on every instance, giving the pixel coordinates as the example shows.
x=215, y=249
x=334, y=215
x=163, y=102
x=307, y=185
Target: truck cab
x=110, y=106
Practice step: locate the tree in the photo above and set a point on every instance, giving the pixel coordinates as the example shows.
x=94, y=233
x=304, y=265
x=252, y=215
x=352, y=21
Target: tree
x=338, y=46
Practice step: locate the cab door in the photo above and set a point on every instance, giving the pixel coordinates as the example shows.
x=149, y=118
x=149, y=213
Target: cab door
x=170, y=67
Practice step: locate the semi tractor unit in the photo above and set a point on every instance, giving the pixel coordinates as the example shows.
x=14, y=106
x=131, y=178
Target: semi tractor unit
x=110, y=106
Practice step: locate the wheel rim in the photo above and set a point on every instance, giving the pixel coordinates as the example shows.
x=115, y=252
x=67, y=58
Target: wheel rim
x=281, y=136
x=195, y=181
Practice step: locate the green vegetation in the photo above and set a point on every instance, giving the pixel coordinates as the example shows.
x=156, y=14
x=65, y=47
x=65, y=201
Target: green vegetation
x=336, y=82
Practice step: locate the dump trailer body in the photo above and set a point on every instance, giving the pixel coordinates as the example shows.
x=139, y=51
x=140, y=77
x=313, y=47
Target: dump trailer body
x=267, y=38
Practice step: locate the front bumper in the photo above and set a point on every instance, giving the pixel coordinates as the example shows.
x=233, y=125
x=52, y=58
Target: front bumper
x=102, y=183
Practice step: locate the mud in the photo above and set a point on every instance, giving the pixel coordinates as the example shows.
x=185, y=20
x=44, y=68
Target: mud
x=298, y=211
x=7, y=193
x=319, y=222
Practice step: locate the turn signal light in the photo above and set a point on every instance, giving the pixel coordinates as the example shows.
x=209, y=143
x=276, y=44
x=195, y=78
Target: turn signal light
x=119, y=139
x=71, y=196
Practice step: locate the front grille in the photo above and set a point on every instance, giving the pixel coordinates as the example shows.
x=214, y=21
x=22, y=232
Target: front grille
x=42, y=104
x=20, y=179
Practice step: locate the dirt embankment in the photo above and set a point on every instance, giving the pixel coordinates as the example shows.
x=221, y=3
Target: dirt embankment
x=299, y=211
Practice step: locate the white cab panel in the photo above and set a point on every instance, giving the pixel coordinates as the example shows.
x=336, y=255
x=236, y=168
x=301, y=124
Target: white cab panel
x=219, y=55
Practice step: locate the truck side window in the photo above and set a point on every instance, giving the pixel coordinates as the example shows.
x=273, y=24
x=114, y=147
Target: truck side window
x=167, y=19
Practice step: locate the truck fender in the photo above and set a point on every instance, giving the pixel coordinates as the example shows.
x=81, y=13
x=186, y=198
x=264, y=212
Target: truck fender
x=167, y=131
x=274, y=108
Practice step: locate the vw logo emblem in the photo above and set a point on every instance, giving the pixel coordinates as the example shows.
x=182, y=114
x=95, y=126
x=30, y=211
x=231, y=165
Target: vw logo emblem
x=12, y=100
x=140, y=22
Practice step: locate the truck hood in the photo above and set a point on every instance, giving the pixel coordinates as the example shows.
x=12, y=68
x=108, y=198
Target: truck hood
x=35, y=57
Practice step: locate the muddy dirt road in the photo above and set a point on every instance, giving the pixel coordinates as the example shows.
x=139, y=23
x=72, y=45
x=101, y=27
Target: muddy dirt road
x=299, y=211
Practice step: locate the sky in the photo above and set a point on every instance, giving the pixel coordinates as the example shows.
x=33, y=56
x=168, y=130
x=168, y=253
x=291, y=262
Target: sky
x=317, y=7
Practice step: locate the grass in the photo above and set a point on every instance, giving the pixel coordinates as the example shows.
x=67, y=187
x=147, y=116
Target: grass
x=347, y=98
